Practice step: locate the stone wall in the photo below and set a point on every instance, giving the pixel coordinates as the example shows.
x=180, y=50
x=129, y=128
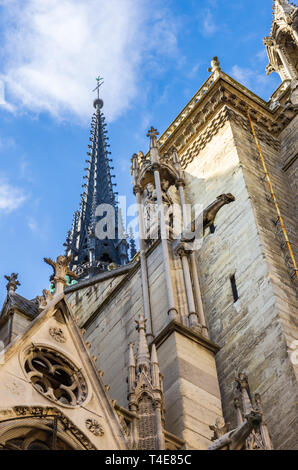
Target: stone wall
x=254, y=332
x=289, y=154
x=251, y=331
x=108, y=311
x=191, y=389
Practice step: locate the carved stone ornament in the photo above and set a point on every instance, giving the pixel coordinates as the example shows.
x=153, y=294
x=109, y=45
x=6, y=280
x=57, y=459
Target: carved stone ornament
x=13, y=282
x=94, y=427
x=54, y=376
x=57, y=334
x=61, y=270
x=124, y=426
x=44, y=299
x=44, y=412
x=220, y=429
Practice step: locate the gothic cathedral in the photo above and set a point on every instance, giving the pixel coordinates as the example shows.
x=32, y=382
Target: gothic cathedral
x=190, y=342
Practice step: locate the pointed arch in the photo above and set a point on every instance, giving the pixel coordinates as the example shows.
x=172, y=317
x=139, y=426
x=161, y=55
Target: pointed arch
x=41, y=428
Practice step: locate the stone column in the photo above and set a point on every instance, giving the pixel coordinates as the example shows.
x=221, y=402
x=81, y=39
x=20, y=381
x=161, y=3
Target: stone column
x=194, y=271
x=172, y=311
x=143, y=261
x=197, y=290
x=192, y=314
x=159, y=428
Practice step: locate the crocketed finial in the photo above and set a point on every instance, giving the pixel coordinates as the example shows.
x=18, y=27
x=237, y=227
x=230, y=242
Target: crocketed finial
x=153, y=133
x=13, y=282
x=143, y=357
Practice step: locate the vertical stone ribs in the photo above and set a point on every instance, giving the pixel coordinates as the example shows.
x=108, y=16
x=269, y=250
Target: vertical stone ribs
x=91, y=253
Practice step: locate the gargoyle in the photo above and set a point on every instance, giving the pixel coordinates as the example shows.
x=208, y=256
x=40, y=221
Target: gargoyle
x=236, y=439
x=211, y=211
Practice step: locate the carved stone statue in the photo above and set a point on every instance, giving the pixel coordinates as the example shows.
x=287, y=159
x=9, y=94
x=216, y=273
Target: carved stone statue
x=215, y=67
x=236, y=439
x=61, y=270
x=166, y=198
x=150, y=216
x=220, y=428
x=44, y=299
x=168, y=202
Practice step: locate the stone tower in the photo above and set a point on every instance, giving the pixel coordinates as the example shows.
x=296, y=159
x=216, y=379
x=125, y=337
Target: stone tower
x=91, y=246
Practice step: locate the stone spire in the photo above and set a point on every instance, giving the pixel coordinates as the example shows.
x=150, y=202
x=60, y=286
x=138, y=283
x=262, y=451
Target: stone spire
x=282, y=43
x=92, y=250
x=143, y=357
x=145, y=393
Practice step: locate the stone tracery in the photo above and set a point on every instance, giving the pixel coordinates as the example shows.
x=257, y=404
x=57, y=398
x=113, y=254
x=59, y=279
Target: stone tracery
x=55, y=376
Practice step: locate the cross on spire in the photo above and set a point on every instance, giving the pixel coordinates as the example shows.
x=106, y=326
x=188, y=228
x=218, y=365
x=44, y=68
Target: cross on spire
x=152, y=132
x=99, y=83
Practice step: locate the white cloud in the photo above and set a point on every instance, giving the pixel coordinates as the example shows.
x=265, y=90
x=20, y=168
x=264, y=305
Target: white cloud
x=11, y=197
x=54, y=49
x=41, y=227
x=251, y=78
x=6, y=143
x=209, y=25
x=262, y=55
x=32, y=224
x=243, y=75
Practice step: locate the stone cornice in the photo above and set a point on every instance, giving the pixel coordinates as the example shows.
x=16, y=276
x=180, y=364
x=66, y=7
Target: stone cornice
x=199, y=98
x=200, y=140
x=216, y=94
x=177, y=327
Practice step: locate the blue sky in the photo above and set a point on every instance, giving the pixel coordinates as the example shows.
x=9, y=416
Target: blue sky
x=153, y=54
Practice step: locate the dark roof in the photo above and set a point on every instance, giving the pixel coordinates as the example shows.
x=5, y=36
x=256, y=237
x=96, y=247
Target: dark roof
x=16, y=301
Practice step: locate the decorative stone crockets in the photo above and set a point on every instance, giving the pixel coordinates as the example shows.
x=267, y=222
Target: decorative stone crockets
x=61, y=270
x=145, y=394
x=13, y=282
x=251, y=432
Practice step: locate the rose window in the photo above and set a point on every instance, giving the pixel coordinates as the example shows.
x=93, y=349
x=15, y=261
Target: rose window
x=55, y=376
